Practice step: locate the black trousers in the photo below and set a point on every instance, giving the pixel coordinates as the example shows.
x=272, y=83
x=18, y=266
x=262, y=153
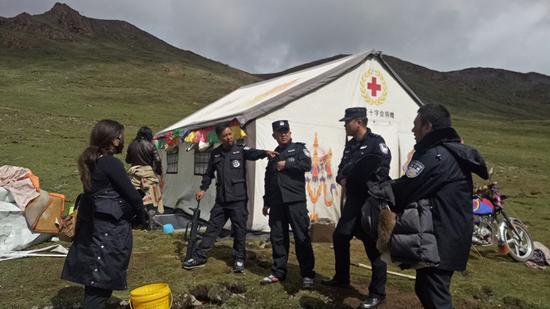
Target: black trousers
x=348, y=226
x=432, y=287
x=238, y=214
x=280, y=217
x=95, y=298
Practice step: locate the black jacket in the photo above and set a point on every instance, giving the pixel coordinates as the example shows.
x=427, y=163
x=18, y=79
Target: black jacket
x=364, y=160
x=230, y=172
x=143, y=152
x=288, y=185
x=101, y=249
x=440, y=171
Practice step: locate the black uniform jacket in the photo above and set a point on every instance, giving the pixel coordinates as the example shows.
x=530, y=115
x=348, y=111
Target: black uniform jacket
x=287, y=185
x=440, y=170
x=364, y=160
x=101, y=249
x=230, y=172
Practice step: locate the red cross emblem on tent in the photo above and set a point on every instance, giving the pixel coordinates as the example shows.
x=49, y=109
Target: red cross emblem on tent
x=373, y=87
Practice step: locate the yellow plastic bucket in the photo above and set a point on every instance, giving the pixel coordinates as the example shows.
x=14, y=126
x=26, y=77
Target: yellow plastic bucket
x=151, y=296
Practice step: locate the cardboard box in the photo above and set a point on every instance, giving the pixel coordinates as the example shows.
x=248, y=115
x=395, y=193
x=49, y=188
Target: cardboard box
x=50, y=220
x=321, y=231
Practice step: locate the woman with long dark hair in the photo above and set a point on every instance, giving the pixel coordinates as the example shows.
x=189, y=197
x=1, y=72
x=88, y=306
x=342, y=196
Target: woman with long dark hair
x=101, y=249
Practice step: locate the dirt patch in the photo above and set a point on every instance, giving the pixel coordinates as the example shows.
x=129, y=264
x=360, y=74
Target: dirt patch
x=394, y=298
x=217, y=294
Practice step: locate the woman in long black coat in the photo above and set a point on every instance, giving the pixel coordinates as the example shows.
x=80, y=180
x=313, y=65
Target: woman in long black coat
x=100, y=253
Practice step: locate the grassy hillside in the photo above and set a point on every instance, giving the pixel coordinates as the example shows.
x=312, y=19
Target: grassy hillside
x=480, y=92
x=60, y=72
x=57, y=80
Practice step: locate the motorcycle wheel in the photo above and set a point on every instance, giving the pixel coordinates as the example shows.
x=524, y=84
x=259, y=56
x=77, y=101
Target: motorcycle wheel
x=520, y=244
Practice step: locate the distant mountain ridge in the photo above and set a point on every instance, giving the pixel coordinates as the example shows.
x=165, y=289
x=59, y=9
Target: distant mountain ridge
x=472, y=90
x=64, y=23
x=483, y=90
x=63, y=31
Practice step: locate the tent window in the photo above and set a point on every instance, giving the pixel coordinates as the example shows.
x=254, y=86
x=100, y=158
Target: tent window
x=172, y=161
x=201, y=162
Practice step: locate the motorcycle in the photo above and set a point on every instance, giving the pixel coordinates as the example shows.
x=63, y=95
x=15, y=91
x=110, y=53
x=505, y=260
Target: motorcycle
x=492, y=225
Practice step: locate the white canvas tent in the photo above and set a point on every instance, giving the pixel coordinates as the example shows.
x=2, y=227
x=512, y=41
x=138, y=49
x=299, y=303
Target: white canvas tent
x=312, y=100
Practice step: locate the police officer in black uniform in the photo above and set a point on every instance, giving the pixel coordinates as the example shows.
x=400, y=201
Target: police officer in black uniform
x=366, y=158
x=285, y=202
x=228, y=161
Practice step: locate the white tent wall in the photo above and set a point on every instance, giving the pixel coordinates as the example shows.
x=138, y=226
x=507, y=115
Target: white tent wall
x=391, y=111
x=318, y=113
x=179, y=189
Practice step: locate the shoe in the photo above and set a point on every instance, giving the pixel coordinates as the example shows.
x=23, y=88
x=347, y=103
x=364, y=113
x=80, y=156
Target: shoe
x=193, y=263
x=238, y=267
x=307, y=283
x=372, y=301
x=269, y=280
x=335, y=283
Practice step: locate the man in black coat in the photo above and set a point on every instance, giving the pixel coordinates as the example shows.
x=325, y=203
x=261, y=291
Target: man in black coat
x=285, y=202
x=440, y=171
x=228, y=162
x=366, y=158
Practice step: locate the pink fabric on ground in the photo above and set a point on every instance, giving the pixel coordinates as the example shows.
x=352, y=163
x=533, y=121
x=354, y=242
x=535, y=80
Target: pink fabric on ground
x=16, y=180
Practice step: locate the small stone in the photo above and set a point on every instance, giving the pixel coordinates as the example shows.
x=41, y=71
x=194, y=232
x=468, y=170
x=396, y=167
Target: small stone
x=124, y=303
x=194, y=301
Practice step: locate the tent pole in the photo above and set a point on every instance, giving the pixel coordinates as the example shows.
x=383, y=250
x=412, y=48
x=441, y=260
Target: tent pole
x=389, y=271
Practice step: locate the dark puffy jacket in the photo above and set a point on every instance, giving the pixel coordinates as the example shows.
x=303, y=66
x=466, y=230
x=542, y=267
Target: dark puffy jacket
x=440, y=171
x=288, y=185
x=413, y=243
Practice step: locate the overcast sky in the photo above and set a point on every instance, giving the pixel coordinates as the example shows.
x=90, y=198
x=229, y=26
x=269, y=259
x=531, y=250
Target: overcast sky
x=262, y=36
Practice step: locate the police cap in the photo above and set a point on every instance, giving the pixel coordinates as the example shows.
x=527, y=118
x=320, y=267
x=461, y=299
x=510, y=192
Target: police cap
x=355, y=113
x=280, y=126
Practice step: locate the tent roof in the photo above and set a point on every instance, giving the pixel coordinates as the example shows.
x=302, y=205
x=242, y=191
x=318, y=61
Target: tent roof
x=252, y=101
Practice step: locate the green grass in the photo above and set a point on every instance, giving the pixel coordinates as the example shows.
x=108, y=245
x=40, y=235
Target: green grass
x=47, y=107
x=50, y=96
x=516, y=149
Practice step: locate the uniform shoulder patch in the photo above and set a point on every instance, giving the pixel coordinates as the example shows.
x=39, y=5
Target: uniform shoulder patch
x=384, y=148
x=414, y=169
x=306, y=152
